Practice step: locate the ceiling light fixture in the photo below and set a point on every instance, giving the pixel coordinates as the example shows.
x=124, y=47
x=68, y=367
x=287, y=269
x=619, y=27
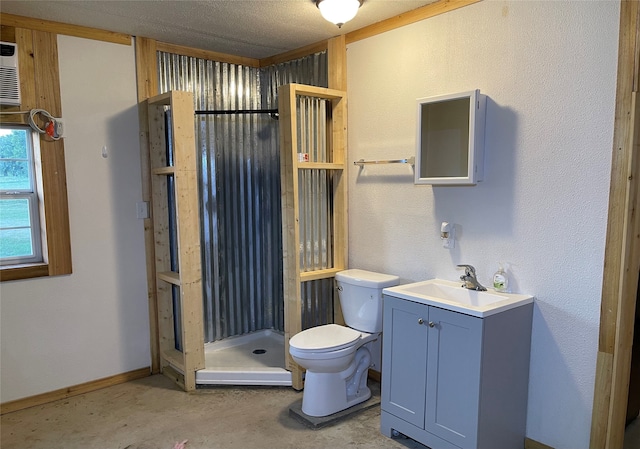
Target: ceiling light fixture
x=338, y=11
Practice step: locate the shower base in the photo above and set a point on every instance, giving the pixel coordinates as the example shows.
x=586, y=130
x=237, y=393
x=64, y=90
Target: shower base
x=251, y=359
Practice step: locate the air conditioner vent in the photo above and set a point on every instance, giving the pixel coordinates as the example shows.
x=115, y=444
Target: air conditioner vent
x=9, y=79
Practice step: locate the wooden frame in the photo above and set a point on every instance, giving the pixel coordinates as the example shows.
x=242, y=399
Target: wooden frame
x=622, y=252
x=187, y=275
x=416, y=15
x=147, y=82
x=293, y=277
x=207, y=54
x=65, y=28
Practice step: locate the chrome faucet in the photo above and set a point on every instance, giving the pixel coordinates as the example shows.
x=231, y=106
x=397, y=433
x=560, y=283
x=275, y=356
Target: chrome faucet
x=470, y=280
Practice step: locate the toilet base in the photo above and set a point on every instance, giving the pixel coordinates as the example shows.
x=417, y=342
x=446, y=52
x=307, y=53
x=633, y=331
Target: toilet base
x=319, y=422
x=328, y=393
x=314, y=404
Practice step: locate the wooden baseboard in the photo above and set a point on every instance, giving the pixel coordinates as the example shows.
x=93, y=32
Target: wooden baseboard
x=63, y=393
x=533, y=444
x=375, y=375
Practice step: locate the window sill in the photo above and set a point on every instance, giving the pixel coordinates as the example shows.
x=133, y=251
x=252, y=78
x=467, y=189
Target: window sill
x=27, y=271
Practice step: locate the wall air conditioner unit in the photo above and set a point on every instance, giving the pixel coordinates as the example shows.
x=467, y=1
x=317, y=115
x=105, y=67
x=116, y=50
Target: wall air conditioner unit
x=9, y=81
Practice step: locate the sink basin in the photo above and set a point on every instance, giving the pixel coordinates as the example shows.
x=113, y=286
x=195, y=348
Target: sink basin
x=452, y=296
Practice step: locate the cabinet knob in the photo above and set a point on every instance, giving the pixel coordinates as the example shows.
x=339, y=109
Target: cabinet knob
x=420, y=321
x=432, y=324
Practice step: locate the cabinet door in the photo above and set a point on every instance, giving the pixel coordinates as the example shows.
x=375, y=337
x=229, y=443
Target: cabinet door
x=404, y=359
x=453, y=376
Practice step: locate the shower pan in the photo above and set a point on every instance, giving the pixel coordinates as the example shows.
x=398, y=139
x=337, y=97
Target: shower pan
x=250, y=359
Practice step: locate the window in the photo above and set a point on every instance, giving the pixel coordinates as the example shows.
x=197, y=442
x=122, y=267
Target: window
x=19, y=216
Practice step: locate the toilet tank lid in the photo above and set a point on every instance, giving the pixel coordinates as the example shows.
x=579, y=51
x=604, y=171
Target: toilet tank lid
x=367, y=278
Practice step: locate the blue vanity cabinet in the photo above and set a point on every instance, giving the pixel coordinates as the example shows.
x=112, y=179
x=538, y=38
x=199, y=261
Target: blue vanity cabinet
x=453, y=374
x=451, y=380
x=404, y=360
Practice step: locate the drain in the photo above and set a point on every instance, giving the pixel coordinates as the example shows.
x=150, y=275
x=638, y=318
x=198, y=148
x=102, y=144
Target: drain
x=259, y=351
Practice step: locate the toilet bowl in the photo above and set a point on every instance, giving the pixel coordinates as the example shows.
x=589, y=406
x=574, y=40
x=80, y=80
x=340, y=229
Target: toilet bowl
x=335, y=357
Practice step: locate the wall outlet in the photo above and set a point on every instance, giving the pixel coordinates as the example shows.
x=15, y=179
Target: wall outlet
x=448, y=243
x=59, y=128
x=142, y=209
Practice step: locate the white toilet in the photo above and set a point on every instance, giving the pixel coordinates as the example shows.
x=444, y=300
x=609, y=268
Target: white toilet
x=334, y=356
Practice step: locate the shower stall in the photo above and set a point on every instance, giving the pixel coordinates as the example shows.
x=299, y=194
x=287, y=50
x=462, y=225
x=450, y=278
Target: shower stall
x=237, y=139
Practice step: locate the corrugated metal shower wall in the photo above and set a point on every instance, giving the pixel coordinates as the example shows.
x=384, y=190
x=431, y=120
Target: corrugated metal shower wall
x=240, y=191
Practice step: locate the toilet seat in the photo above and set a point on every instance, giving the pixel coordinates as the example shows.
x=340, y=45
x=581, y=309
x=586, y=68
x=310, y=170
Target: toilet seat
x=326, y=338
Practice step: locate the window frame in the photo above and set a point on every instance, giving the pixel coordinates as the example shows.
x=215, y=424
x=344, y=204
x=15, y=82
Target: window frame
x=31, y=195
x=40, y=89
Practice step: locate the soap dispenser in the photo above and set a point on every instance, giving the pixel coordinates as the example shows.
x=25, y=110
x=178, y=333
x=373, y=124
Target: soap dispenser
x=500, y=280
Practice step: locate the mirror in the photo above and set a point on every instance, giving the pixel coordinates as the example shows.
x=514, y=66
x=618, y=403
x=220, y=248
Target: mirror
x=450, y=139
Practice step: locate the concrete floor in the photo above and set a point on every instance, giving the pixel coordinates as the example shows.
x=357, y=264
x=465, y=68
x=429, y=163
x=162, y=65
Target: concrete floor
x=152, y=413
x=632, y=435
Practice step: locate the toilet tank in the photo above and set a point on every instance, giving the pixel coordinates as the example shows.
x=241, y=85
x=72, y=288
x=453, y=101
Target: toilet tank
x=360, y=293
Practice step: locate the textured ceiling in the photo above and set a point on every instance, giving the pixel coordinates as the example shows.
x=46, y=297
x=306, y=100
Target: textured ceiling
x=250, y=28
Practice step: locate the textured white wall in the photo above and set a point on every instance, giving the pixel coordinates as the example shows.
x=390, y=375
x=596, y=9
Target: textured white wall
x=62, y=331
x=549, y=70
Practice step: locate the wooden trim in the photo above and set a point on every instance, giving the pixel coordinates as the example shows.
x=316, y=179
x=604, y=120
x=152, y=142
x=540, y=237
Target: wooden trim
x=174, y=358
x=164, y=171
x=147, y=83
x=64, y=28
x=64, y=393
x=319, y=92
x=290, y=233
x=54, y=179
x=26, y=57
x=533, y=444
x=337, y=63
x=24, y=272
x=337, y=67
x=162, y=100
x=407, y=18
x=171, y=277
x=7, y=33
x=187, y=217
x=207, y=54
x=320, y=274
x=294, y=54
x=320, y=166
x=622, y=251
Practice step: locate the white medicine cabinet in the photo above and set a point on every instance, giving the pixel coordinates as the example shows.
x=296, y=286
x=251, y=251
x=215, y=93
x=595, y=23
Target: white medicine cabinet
x=450, y=139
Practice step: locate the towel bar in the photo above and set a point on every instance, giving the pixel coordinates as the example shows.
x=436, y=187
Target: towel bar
x=410, y=160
